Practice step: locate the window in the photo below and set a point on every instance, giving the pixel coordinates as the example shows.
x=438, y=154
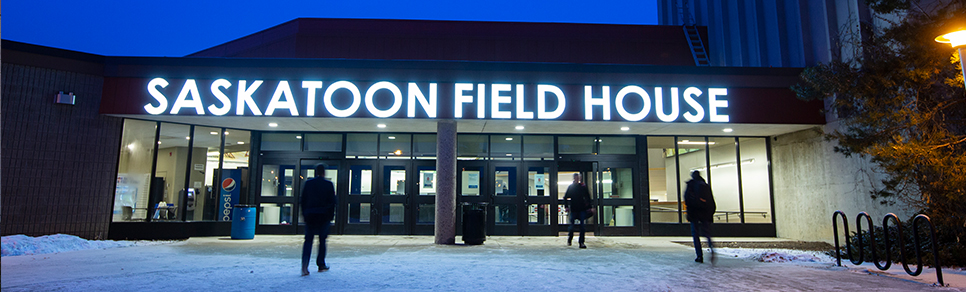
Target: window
x=281, y=141
x=505, y=146
x=361, y=145
x=206, y=149
x=172, y=163
x=471, y=146
x=617, y=145
x=662, y=181
x=323, y=142
x=754, y=180
x=538, y=147
x=134, y=171
x=395, y=146
x=577, y=145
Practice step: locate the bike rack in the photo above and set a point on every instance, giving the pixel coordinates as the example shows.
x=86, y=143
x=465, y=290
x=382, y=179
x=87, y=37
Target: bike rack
x=888, y=246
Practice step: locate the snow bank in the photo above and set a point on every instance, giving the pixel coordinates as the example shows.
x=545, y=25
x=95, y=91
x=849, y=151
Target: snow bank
x=15, y=245
x=776, y=255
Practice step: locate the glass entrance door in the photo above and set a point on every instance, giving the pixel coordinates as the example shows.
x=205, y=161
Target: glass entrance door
x=539, y=202
x=277, y=200
x=359, y=200
x=392, y=201
x=307, y=172
x=472, y=190
x=424, y=197
x=618, y=205
x=565, y=177
x=506, y=215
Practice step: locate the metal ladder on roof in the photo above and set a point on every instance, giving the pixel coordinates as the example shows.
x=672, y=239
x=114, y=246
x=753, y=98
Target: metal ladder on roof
x=698, y=50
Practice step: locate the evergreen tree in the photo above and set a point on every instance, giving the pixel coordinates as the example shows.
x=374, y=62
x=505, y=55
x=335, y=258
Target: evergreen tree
x=901, y=104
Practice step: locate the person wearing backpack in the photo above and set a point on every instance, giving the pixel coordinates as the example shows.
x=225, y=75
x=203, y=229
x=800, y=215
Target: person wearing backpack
x=700, y=210
x=579, y=206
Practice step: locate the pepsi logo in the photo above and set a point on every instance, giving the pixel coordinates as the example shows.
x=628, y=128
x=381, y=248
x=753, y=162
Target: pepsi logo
x=228, y=184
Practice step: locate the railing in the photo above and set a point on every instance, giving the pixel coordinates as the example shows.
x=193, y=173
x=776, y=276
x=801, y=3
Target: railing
x=888, y=243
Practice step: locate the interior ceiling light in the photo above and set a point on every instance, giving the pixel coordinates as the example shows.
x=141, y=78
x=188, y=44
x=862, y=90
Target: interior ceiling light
x=381, y=126
x=298, y=136
x=519, y=128
x=625, y=129
x=392, y=137
x=509, y=138
x=226, y=132
x=240, y=142
x=689, y=142
x=728, y=130
x=273, y=125
x=213, y=133
x=187, y=138
x=398, y=152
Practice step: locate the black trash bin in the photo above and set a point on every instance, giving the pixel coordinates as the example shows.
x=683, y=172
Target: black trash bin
x=474, y=223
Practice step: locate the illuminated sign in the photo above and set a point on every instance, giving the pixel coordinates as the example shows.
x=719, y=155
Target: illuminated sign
x=385, y=99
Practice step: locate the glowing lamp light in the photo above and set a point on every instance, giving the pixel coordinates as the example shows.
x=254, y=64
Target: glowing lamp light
x=957, y=39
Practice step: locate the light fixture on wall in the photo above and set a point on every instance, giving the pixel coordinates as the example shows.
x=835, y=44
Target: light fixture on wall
x=381, y=126
x=519, y=127
x=273, y=125
x=728, y=130
x=625, y=129
x=65, y=98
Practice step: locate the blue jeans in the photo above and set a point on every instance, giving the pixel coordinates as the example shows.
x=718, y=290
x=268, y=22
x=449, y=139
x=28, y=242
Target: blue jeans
x=698, y=229
x=577, y=216
x=312, y=228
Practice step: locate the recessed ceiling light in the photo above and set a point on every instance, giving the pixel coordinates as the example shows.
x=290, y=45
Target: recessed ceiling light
x=728, y=130
x=398, y=152
x=381, y=126
x=241, y=142
x=226, y=132
x=130, y=146
x=187, y=137
x=159, y=142
x=509, y=154
x=273, y=125
x=625, y=128
x=213, y=133
x=519, y=127
x=298, y=136
x=392, y=137
x=509, y=138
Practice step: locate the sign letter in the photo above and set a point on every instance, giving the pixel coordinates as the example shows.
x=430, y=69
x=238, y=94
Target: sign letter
x=590, y=102
x=162, y=101
x=396, y=99
x=312, y=86
x=542, y=90
x=498, y=100
x=414, y=94
x=356, y=98
x=714, y=104
x=689, y=95
x=659, y=105
x=216, y=91
x=521, y=113
x=245, y=98
x=460, y=99
x=620, y=103
x=190, y=88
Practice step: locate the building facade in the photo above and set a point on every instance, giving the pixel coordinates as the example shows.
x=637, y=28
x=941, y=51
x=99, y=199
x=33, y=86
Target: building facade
x=627, y=106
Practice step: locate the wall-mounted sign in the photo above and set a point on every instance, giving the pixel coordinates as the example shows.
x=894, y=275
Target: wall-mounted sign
x=387, y=99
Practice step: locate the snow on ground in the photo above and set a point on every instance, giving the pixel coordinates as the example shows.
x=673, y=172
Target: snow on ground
x=776, y=255
x=414, y=263
x=15, y=245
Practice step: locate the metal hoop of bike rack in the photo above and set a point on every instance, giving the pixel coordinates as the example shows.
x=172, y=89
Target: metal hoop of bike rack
x=888, y=245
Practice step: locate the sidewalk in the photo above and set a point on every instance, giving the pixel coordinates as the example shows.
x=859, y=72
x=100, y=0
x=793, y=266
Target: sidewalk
x=401, y=263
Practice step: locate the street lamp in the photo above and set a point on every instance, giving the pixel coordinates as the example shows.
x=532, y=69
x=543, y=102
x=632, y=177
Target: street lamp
x=958, y=40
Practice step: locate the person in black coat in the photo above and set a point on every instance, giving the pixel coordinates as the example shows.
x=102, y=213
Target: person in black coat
x=701, y=208
x=317, y=202
x=579, y=206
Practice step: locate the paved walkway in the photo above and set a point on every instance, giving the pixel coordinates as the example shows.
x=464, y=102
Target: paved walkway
x=401, y=263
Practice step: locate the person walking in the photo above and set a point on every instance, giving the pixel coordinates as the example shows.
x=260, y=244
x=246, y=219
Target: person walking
x=579, y=206
x=700, y=210
x=317, y=203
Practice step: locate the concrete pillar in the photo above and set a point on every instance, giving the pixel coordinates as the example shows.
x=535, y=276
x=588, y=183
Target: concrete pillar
x=446, y=182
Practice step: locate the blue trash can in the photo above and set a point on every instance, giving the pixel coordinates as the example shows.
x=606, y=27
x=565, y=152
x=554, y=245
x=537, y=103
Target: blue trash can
x=243, y=222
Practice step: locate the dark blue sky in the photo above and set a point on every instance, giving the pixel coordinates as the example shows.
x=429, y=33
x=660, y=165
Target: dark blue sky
x=180, y=27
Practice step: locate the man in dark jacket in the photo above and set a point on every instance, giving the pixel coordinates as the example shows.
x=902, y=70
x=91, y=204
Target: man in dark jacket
x=317, y=203
x=701, y=208
x=578, y=206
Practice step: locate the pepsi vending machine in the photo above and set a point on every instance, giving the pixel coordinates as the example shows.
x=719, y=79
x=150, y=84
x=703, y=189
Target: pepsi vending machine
x=230, y=190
